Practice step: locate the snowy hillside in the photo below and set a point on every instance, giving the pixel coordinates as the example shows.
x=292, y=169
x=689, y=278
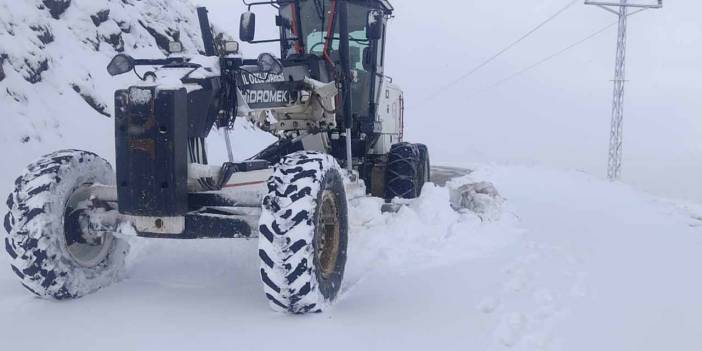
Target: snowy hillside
x=573, y=263
x=55, y=86
x=54, y=90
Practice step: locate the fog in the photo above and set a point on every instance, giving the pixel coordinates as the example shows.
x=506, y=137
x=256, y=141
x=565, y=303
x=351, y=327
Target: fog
x=557, y=114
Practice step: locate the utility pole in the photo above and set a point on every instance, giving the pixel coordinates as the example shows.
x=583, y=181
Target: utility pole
x=621, y=9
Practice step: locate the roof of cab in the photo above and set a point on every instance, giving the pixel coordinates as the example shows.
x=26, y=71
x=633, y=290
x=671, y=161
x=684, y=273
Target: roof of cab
x=387, y=4
x=384, y=3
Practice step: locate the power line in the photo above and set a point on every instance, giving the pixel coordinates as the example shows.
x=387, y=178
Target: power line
x=542, y=61
x=547, y=58
x=501, y=52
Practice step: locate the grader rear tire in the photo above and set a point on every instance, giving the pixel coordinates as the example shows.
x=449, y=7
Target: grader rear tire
x=403, y=172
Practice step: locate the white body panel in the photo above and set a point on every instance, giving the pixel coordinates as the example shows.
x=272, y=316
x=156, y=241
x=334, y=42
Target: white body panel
x=247, y=189
x=389, y=121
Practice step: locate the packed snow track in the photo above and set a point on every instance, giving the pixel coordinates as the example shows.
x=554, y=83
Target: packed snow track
x=564, y=261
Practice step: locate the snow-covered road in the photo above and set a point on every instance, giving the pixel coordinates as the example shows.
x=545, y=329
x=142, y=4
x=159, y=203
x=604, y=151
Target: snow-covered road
x=573, y=263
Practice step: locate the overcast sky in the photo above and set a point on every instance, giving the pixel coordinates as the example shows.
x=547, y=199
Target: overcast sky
x=558, y=114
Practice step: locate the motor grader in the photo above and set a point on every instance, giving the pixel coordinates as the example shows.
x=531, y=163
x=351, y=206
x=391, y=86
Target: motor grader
x=339, y=122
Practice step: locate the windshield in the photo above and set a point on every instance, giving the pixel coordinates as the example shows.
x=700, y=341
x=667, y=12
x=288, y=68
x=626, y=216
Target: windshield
x=312, y=26
x=315, y=16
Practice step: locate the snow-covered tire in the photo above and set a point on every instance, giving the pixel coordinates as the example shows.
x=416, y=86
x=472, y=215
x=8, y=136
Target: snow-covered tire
x=36, y=227
x=403, y=172
x=304, y=233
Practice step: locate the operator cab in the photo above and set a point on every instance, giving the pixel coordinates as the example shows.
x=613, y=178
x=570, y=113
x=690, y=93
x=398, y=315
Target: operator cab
x=311, y=31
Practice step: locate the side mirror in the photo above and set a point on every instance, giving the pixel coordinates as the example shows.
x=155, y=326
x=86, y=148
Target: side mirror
x=120, y=64
x=374, y=26
x=247, y=27
x=269, y=64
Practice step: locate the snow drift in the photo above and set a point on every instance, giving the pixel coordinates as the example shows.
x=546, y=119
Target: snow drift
x=572, y=263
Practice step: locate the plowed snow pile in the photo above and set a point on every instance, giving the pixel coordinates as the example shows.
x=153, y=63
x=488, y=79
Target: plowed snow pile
x=571, y=263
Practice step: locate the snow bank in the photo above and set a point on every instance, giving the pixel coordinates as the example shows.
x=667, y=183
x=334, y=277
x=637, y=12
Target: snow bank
x=572, y=263
x=427, y=232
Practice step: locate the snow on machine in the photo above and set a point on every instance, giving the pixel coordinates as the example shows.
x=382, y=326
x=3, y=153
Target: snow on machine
x=339, y=122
